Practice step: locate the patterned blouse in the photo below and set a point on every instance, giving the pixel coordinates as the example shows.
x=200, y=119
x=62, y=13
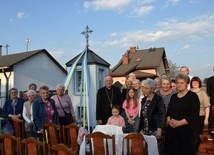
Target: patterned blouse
x=166, y=98
x=145, y=117
x=49, y=113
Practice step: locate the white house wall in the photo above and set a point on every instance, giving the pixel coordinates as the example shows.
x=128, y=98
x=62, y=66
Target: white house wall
x=3, y=81
x=39, y=69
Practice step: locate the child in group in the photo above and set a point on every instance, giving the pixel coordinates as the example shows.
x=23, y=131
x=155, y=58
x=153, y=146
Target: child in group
x=116, y=119
x=131, y=107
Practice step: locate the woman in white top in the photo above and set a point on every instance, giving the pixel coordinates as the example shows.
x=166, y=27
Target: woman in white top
x=28, y=113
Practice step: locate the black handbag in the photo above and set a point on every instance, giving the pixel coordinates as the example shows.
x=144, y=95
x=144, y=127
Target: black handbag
x=68, y=116
x=7, y=128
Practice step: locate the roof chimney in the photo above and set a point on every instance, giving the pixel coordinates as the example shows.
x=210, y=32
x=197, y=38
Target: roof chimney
x=133, y=49
x=0, y=50
x=125, y=59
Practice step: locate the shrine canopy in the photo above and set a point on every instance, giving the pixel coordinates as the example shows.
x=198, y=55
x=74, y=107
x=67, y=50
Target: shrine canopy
x=85, y=77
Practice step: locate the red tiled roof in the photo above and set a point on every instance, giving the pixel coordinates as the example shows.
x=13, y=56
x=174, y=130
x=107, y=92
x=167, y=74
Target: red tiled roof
x=139, y=60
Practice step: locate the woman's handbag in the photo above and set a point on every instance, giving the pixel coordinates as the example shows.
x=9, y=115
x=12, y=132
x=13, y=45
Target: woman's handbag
x=7, y=128
x=68, y=116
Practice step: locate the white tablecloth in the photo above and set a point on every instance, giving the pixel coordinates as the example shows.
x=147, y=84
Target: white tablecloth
x=119, y=135
x=151, y=141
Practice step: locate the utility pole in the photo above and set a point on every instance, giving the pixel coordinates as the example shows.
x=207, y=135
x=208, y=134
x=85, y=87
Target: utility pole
x=27, y=42
x=86, y=33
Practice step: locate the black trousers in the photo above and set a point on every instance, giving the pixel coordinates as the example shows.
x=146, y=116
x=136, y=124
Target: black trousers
x=210, y=125
x=63, y=121
x=201, y=125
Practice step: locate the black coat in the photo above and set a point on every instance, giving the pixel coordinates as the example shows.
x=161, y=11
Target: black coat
x=103, y=108
x=156, y=113
x=210, y=89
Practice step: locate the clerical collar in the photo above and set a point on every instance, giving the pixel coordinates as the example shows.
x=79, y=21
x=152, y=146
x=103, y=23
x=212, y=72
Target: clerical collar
x=108, y=88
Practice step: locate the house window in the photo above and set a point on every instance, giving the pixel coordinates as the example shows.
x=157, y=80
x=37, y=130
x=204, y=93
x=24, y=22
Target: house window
x=101, y=78
x=78, y=81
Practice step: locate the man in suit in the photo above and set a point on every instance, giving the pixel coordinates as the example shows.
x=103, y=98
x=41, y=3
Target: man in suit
x=210, y=92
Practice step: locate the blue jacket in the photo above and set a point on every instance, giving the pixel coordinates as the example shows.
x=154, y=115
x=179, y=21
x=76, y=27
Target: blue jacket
x=39, y=113
x=8, y=108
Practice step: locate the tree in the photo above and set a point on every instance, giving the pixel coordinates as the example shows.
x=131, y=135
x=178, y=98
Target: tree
x=205, y=81
x=173, y=69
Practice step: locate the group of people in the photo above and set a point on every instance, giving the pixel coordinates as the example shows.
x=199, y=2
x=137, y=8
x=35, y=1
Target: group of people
x=175, y=111
x=38, y=109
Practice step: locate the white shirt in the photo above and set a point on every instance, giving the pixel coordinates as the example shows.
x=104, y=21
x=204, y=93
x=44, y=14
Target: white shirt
x=25, y=116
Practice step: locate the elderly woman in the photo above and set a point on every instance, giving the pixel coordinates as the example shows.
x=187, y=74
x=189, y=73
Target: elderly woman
x=182, y=119
x=28, y=113
x=153, y=113
x=136, y=85
x=63, y=103
x=165, y=91
x=44, y=111
x=13, y=107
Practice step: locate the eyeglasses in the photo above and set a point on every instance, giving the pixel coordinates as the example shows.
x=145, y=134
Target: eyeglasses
x=144, y=88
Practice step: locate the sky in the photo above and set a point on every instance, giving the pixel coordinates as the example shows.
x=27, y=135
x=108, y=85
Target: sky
x=185, y=28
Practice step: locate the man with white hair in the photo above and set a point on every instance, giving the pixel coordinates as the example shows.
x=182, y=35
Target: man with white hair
x=185, y=70
x=132, y=76
x=107, y=96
